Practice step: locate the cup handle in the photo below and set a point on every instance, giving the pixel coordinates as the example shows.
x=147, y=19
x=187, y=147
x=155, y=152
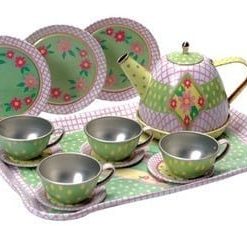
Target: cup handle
x=149, y=139
x=231, y=60
x=221, y=153
x=111, y=168
x=59, y=130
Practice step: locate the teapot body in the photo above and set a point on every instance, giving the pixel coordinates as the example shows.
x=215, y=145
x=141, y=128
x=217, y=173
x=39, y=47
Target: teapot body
x=185, y=97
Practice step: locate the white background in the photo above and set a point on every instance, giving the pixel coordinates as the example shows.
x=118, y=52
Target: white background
x=214, y=28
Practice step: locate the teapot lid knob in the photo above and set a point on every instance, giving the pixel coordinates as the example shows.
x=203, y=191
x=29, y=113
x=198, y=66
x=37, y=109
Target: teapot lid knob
x=185, y=47
x=185, y=57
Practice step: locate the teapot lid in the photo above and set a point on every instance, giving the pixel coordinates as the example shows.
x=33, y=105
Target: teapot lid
x=185, y=57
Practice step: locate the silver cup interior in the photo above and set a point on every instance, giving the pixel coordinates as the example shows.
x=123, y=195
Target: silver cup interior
x=69, y=168
x=24, y=127
x=115, y=129
x=189, y=145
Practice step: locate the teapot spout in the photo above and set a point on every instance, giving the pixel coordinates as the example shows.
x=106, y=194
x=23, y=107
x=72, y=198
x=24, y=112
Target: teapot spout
x=136, y=73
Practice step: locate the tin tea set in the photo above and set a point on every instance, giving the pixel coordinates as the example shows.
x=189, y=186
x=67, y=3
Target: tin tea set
x=183, y=111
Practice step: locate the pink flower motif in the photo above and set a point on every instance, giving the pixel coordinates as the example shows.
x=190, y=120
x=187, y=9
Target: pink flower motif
x=186, y=101
x=56, y=92
x=83, y=53
x=111, y=80
x=136, y=48
x=109, y=31
x=30, y=81
x=43, y=50
x=20, y=62
x=201, y=101
x=64, y=46
x=66, y=97
x=80, y=84
x=16, y=103
x=173, y=103
x=85, y=64
x=186, y=120
x=10, y=54
x=28, y=100
x=120, y=36
x=187, y=83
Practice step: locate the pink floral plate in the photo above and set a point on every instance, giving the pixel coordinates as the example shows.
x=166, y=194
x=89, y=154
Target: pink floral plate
x=116, y=37
x=77, y=64
x=135, y=158
x=158, y=170
x=98, y=196
x=25, y=78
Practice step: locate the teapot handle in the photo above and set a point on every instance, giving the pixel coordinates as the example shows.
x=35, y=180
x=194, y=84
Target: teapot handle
x=231, y=60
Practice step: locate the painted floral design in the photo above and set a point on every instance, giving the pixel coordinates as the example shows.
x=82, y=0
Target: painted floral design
x=73, y=58
x=28, y=101
x=20, y=62
x=23, y=82
x=187, y=101
x=10, y=54
x=16, y=104
x=121, y=39
x=56, y=92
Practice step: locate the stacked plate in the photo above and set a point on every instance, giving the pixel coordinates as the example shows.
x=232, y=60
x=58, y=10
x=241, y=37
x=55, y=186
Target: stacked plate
x=62, y=69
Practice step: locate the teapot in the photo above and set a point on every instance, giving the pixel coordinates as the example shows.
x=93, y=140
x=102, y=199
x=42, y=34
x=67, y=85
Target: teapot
x=183, y=92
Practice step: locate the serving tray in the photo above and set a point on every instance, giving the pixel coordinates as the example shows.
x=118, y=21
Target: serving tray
x=129, y=184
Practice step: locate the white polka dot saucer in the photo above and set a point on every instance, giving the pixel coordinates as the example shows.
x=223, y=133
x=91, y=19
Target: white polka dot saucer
x=98, y=196
x=159, y=170
x=28, y=163
x=135, y=158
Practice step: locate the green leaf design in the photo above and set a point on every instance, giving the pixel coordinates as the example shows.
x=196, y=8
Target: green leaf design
x=77, y=48
x=110, y=71
x=74, y=96
x=124, y=78
x=8, y=109
x=21, y=84
x=104, y=47
x=26, y=69
x=33, y=95
x=51, y=52
x=102, y=41
x=135, y=57
x=2, y=54
x=193, y=112
x=86, y=73
x=26, y=89
x=48, y=46
x=72, y=81
x=71, y=53
x=102, y=32
x=127, y=41
x=7, y=104
x=179, y=91
x=2, y=61
x=64, y=55
x=142, y=62
x=131, y=53
x=73, y=87
x=129, y=37
x=83, y=72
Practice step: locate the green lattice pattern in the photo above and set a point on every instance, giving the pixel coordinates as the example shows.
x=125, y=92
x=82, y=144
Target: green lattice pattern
x=136, y=180
x=159, y=94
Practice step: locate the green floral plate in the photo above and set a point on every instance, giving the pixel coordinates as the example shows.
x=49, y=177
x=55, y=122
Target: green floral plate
x=24, y=78
x=117, y=36
x=77, y=64
x=159, y=170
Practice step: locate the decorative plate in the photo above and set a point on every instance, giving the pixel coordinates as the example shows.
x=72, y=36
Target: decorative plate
x=116, y=37
x=29, y=163
x=158, y=169
x=25, y=78
x=135, y=158
x=77, y=64
x=99, y=194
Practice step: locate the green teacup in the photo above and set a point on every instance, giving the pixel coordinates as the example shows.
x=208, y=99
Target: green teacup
x=70, y=178
x=26, y=137
x=115, y=138
x=191, y=154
